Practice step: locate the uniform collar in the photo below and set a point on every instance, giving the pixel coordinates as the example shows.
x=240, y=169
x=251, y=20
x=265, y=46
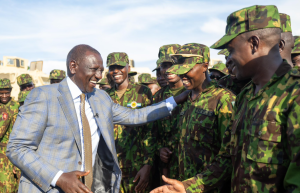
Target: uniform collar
x=210, y=86
x=113, y=89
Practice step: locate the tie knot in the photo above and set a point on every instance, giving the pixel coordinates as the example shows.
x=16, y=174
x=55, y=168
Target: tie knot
x=82, y=97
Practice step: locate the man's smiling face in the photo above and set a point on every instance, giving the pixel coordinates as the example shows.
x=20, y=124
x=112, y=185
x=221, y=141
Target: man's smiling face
x=89, y=71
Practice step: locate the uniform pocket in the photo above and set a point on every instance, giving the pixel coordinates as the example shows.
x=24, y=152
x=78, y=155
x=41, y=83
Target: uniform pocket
x=203, y=128
x=265, y=142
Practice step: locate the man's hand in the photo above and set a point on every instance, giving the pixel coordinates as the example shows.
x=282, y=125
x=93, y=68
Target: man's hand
x=69, y=182
x=174, y=186
x=165, y=154
x=179, y=99
x=144, y=175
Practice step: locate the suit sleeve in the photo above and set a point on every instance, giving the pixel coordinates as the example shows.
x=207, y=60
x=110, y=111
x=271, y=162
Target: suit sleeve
x=136, y=117
x=25, y=139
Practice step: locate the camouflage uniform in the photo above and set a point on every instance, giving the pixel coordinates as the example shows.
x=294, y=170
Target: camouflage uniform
x=220, y=67
x=167, y=135
x=202, y=121
x=22, y=96
x=24, y=79
x=261, y=145
x=57, y=75
x=8, y=114
x=135, y=146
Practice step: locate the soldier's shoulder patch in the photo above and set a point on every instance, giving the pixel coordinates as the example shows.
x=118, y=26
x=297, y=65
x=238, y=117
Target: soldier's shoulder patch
x=4, y=116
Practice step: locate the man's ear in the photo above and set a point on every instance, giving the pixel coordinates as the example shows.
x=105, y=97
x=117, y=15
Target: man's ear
x=281, y=45
x=128, y=67
x=73, y=67
x=254, y=43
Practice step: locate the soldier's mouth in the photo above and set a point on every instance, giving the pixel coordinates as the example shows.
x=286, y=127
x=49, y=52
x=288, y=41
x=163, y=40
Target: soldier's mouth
x=186, y=83
x=170, y=76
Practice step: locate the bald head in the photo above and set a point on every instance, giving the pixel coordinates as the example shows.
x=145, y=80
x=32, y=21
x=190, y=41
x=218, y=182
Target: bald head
x=78, y=54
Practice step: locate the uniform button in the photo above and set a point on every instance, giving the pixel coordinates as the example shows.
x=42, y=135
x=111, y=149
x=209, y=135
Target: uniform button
x=80, y=163
x=259, y=133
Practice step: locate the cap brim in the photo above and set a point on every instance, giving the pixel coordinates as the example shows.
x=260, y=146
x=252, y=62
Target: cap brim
x=118, y=64
x=212, y=69
x=221, y=44
x=132, y=73
x=155, y=69
x=180, y=68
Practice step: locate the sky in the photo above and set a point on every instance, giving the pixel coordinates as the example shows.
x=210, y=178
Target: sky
x=47, y=30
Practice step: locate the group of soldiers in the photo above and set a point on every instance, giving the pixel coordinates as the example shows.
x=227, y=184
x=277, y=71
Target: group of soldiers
x=238, y=131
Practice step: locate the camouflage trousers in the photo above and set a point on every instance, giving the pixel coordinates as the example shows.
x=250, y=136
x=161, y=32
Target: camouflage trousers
x=127, y=184
x=9, y=181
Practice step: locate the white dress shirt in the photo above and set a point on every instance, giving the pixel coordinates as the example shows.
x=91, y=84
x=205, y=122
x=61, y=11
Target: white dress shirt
x=95, y=131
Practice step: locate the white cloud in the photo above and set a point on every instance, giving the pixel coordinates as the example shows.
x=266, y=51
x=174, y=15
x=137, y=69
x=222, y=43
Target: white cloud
x=215, y=26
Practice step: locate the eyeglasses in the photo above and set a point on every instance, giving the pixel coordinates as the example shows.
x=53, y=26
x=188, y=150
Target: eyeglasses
x=215, y=77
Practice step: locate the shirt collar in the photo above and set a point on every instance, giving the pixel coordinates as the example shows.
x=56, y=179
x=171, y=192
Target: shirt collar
x=74, y=89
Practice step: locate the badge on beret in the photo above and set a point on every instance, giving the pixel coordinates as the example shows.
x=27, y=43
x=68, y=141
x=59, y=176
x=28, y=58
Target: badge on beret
x=4, y=116
x=134, y=104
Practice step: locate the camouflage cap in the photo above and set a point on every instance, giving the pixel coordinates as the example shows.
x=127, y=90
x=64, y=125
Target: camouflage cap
x=164, y=54
x=132, y=73
x=249, y=19
x=22, y=95
x=117, y=58
x=5, y=83
x=187, y=56
x=285, y=22
x=224, y=52
x=145, y=78
x=296, y=49
x=221, y=68
x=103, y=81
x=57, y=74
x=24, y=79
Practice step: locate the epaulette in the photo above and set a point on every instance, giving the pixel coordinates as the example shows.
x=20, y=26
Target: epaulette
x=227, y=89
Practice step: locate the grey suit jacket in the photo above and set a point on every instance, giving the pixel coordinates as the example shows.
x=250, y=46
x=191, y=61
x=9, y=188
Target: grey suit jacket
x=46, y=138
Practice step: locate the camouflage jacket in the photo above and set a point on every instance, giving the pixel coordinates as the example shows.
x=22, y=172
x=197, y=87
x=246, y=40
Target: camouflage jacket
x=203, y=122
x=135, y=145
x=260, y=148
x=8, y=115
x=167, y=135
x=228, y=83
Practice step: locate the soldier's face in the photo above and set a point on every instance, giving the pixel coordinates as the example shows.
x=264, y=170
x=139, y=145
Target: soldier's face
x=240, y=59
x=195, y=77
x=5, y=95
x=171, y=78
x=161, y=79
x=296, y=60
x=88, y=72
x=216, y=75
x=119, y=74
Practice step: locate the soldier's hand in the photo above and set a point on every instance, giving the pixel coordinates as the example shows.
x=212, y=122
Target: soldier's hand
x=165, y=154
x=179, y=99
x=144, y=175
x=174, y=186
x=69, y=182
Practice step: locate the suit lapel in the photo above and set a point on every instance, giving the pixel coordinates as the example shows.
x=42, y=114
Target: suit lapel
x=107, y=134
x=67, y=105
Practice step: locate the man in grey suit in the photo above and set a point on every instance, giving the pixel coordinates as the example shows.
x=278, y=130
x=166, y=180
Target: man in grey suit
x=65, y=131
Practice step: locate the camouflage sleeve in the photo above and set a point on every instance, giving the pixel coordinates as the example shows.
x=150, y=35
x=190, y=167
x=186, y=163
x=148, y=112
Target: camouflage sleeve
x=291, y=180
x=217, y=172
x=150, y=135
x=225, y=113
